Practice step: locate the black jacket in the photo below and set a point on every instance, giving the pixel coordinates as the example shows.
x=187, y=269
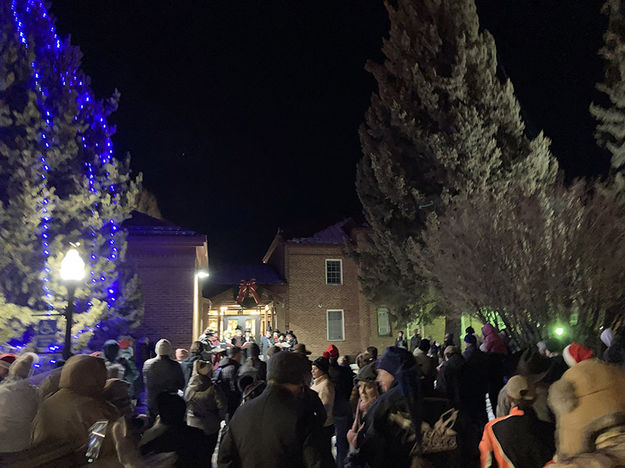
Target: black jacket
x=386, y=444
x=343, y=379
x=227, y=379
x=275, y=430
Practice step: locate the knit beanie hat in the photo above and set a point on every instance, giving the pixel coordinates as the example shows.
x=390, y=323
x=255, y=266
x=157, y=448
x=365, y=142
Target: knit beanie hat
x=395, y=359
x=367, y=373
x=7, y=359
x=587, y=400
x=470, y=339
x=331, y=353
x=575, y=353
x=322, y=363
x=163, y=347
x=288, y=368
x=23, y=365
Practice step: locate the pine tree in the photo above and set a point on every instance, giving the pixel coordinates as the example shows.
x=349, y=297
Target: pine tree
x=610, y=131
x=59, y=183
x=441, y=126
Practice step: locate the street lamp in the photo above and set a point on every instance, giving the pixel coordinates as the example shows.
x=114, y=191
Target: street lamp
x=72, y=272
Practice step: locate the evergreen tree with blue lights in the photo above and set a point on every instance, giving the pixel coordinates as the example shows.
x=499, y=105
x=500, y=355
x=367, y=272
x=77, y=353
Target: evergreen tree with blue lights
x=59, y=183
x=441, y=126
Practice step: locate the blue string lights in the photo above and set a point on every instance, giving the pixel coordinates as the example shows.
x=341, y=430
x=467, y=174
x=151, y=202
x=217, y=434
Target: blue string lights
x=52, y=75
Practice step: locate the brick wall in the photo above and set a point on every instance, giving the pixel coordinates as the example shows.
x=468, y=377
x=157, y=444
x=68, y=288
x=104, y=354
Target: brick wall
x=167, y=274
x=309, y=297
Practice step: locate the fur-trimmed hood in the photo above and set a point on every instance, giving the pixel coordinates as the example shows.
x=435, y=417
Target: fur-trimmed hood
x=588, y=400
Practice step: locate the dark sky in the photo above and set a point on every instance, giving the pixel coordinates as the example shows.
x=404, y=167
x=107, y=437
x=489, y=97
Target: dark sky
x=243, y=115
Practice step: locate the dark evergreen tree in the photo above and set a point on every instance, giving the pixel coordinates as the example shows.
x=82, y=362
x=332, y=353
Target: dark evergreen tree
x=610, y=131
x=59, y=183
x=441, y=126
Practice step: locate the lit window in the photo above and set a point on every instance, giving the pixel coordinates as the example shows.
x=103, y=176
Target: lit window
x=334, y=271
x=336, y=325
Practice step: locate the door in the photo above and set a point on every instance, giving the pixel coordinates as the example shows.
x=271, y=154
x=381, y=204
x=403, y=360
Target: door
x=244, y=322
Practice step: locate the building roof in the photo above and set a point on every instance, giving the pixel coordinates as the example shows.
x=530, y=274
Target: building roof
x=140, y=224
x=336, y=234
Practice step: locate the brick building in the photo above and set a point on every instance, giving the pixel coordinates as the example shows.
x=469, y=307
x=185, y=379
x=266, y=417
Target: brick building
x=310, y=285
x=167, y=259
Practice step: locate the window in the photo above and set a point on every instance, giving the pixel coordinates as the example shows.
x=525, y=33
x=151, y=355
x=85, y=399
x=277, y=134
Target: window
x=336, y=325
x=384, y=324
x=334, y=271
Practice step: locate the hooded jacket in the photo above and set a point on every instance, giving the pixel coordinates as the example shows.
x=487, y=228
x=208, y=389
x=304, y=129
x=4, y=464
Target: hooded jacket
x=18, y=405
x=67, y=415
x=493, y=343
x=161, y=374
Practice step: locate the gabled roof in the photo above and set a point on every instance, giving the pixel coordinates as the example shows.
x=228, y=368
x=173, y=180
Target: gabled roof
x=234, y=274
x=140, y=224
x=336, y=234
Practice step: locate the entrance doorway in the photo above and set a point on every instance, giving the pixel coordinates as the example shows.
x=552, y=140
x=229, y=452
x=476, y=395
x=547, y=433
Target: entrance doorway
x=231, y=322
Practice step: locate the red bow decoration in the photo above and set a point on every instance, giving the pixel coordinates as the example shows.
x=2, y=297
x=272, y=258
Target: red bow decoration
x=248, y=287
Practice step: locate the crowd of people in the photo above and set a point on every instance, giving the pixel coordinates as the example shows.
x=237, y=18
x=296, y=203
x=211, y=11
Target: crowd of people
x=238, y=403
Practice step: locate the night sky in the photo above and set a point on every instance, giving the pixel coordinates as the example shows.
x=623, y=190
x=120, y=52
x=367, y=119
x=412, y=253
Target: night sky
x=243, y=115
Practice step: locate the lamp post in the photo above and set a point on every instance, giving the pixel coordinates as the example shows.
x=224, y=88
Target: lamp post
x=72, y=272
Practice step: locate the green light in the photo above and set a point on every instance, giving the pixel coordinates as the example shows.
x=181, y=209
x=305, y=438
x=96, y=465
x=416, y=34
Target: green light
x=559, y=331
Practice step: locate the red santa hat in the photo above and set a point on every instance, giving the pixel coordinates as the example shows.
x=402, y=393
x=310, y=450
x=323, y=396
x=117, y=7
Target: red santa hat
x=576, y=353
x=7, y=359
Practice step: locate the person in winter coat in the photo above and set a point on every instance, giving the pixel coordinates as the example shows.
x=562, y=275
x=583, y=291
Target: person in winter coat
x=534, y=367
x=206, y=404
x=227, y=379
x=195, y=353
x=493, y=343
x=450, y=376
x=19, y=401
x=161, y=374
x=114, y=369
x=427, y=365
x=66, y=417
x=343, y=379
x=265, y=344
x=281, y=428
x=253, y=370
x=520, y=439
x=392, y=429
x=400, y=341
x=589, y=404
x=172, y=434
x=415, y=341
x=325, y=389
x=496, y=350
x=368, y=393
x=475, y=385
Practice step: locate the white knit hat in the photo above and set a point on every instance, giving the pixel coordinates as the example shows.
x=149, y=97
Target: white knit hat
x=163, y=347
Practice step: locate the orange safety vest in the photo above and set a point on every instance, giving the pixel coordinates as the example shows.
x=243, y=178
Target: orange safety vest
x=490, y=447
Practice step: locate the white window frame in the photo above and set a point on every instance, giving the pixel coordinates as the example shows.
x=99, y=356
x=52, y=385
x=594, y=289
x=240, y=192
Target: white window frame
x=342, y=311
x=340, y=260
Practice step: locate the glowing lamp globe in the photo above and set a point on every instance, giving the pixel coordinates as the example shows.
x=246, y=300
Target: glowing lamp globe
x=72, y=266
x=202, y=274
x=559, y=331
